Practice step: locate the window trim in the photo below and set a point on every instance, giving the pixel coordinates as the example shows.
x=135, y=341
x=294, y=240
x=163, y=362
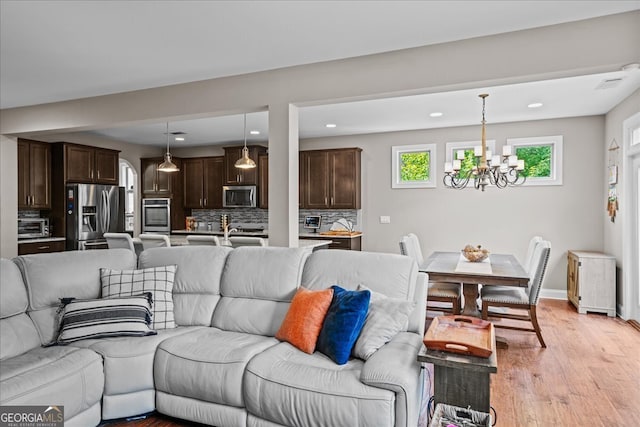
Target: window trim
x=397, y=150
x=556, y=157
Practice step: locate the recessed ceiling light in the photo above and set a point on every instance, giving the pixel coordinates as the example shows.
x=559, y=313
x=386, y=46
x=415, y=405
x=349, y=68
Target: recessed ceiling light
x=436, y=114
x=179, y=138
x=535, y=105
x=330, y=125
x=255, y=132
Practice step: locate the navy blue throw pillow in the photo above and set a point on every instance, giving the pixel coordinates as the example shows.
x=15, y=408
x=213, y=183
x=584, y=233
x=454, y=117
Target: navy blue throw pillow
x=343, y=323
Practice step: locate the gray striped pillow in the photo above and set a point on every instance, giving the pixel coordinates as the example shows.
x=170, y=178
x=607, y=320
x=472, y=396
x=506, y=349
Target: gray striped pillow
x=102, y=318
x=157, y=280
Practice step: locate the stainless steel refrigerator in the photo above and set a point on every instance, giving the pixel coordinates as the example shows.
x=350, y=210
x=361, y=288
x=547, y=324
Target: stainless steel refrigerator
x=93, y=210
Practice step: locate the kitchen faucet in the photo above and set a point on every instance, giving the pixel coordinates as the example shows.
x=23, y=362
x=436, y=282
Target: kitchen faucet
x=227, y=231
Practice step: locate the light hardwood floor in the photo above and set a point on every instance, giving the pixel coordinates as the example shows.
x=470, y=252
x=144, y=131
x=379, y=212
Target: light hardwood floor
x=589, y=374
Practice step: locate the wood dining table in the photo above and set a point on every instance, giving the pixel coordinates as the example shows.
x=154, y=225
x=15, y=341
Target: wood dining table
x=498, y=269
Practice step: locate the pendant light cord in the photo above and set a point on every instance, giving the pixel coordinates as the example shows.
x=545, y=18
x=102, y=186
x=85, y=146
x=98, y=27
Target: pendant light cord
x=245, y=130
x=167, y=137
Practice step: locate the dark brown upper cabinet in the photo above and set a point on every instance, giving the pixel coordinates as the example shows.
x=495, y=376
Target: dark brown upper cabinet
x=331, y=179
x=236, y=176
x=34, y=174
x=203, y=181
x=91, y=165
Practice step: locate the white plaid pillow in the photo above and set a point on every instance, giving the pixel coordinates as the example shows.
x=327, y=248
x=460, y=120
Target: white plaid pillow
x=157, y=280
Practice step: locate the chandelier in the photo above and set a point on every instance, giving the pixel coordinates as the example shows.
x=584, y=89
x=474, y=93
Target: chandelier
x=495, y=170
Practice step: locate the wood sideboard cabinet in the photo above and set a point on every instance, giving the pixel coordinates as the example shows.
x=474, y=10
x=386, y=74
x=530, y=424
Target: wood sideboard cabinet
x=591, y=282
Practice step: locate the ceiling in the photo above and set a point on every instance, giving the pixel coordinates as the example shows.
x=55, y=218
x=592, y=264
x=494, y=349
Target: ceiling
x=58, y=50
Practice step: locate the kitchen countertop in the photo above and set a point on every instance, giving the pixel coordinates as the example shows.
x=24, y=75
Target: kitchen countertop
x=304, y=235
x=181, y=240
x=41, y=240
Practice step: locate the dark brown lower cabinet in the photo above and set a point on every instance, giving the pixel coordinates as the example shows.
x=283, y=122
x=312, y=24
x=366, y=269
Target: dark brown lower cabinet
x=40, y=247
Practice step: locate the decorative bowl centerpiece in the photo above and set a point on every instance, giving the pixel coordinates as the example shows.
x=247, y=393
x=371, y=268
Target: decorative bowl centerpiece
x=475, y=253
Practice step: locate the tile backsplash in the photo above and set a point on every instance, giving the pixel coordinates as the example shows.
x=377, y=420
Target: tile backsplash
x=261, y=216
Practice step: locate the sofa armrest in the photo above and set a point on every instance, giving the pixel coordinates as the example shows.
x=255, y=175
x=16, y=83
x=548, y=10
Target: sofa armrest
x=395, y=367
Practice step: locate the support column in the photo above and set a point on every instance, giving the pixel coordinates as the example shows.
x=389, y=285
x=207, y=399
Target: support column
x=9, y=197
x=283, y=175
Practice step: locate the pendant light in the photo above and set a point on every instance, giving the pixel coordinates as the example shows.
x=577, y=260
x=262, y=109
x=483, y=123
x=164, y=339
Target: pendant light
x=167, y=165
x=245, y=162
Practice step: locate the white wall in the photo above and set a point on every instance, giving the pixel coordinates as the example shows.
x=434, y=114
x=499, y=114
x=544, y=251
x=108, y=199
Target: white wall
x=570, y=216
x=614, y=231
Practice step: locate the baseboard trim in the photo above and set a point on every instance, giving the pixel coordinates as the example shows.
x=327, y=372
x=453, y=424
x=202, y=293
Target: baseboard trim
x=553, y=294
x=635, y=324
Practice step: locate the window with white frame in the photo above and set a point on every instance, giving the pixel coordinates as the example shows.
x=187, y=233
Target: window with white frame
x=466, y=152
x=542, y=157
x=412, y=166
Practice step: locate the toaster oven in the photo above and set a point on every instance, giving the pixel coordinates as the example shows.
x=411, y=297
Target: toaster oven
x=29, y=228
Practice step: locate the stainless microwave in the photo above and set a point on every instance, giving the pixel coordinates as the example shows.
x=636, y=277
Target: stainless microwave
x=239, y=196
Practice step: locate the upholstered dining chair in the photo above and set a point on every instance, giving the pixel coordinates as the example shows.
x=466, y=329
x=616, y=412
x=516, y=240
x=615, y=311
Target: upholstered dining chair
x=237, y=241
x=203, y=240
x=436, y=291
x=120, y=240
x=520, y=298
x=154, y=241
x=529, y=257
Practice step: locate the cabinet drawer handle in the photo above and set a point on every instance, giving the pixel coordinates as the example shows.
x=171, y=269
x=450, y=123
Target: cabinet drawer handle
x=200, y=202
x=205, y=202
x=98, y=173
x=43, y=247
x=332, y=202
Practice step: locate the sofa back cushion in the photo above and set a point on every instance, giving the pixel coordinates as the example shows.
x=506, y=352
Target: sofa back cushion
x=196, y=286
x=395, y=276
x=18, y=332
x=257, y=286
x=73, y=274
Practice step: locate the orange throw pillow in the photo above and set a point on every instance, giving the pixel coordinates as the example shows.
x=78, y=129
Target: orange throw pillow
x=303, y=322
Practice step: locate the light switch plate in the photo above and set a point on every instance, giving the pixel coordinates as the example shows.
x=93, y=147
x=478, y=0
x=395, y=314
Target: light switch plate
x=384, y=219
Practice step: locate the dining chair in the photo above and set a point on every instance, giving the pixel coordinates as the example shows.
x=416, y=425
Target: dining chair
x=203, y=240
x=440, y=292
x=237, y=241
x=520, y=298
x=120, y=240
x=529, y=257
x=154, y=241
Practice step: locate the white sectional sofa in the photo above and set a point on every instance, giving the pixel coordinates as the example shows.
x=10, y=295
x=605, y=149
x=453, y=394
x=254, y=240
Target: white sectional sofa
x=221, y=365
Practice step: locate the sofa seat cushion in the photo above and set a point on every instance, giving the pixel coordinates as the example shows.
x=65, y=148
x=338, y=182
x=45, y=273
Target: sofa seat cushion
x=286, y=386
x=207, y=364
x=67, y=376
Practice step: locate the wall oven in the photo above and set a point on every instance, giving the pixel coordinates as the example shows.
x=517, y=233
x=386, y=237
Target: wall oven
x=156, y=216
x=239, y=196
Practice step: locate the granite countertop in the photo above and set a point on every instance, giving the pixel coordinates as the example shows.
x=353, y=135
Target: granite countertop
x=265, y=233
x=41, y=240
x=181, y=240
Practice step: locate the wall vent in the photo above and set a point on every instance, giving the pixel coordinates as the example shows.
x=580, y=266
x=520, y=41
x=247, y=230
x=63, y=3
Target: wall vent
x=609, y=83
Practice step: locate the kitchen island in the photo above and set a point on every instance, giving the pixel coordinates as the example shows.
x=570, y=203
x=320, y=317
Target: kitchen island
x=181, y=240
x=334, y=240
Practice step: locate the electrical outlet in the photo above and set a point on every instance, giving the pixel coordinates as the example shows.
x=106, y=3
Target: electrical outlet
x=385, y=219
